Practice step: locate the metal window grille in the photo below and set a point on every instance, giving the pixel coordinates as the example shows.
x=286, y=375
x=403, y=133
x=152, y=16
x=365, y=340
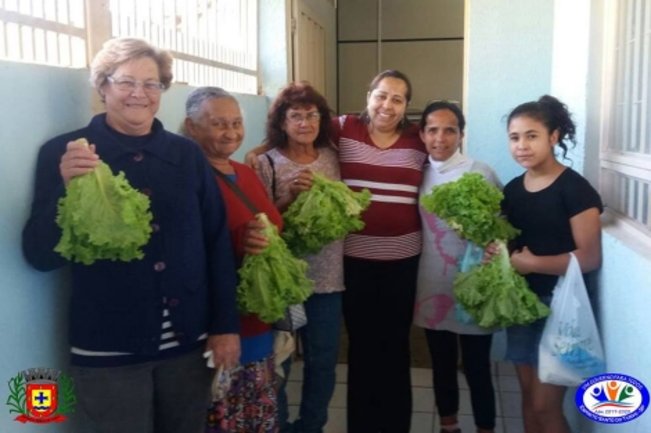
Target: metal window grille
x=626, y=155
x=214, y=42
x=43, y=31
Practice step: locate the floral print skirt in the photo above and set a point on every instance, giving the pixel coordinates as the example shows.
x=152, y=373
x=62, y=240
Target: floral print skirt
x=250, y=403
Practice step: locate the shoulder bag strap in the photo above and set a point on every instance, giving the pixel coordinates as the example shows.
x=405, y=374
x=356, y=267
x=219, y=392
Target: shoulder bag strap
x=273, y=176
x=238, y=192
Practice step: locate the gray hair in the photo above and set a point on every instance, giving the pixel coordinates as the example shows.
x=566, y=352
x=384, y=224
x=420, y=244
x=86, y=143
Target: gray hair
x=116, y=52
x=201, y=94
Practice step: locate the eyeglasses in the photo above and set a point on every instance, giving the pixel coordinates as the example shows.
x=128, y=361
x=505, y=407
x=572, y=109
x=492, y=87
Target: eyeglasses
x=311, y=117
x=129, y=85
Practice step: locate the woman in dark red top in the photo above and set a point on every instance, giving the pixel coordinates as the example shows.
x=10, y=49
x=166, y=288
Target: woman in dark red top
x=214, y=120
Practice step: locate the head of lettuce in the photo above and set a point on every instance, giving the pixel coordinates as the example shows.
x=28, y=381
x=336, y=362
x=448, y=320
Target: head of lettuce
x=153, y=288
x=102, y=217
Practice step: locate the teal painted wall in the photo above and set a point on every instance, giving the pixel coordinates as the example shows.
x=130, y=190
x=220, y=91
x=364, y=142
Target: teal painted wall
x=39, y=103
x=624, y=303
x=509, y=50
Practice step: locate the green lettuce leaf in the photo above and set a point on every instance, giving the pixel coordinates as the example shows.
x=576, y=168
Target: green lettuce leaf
x=102, y=218
x=328, y=211
x=272, y=280
x=470, y=206
x=495, y=295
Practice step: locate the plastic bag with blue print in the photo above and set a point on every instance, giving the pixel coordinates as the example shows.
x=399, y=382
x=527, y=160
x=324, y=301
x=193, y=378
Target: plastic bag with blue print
x=570, y=349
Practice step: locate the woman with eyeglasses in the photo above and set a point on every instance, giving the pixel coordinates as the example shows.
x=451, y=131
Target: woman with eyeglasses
x=299, y=143
x=138, y=329
x=214, y=120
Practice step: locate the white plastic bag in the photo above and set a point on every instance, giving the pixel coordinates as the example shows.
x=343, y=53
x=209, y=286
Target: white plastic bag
x=570, y=349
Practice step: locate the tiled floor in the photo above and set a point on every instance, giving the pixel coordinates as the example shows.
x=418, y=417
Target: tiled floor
x=424, y=419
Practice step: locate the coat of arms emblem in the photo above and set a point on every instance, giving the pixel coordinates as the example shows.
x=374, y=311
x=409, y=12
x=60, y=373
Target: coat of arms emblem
x=41, y=395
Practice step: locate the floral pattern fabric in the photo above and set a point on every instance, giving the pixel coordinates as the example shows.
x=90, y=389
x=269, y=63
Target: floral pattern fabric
x=250, y=404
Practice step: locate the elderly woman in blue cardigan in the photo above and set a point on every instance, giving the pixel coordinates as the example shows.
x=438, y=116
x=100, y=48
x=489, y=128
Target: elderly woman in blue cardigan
x=138, y=329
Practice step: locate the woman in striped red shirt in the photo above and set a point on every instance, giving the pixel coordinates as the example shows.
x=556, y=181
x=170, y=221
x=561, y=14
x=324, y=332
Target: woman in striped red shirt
x=381, y=151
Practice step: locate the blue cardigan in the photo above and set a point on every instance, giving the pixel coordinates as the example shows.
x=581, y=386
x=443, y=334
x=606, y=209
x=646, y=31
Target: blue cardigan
x=117, y=306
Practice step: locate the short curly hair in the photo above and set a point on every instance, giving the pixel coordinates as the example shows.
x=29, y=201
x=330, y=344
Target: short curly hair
x=116, y=52
x=298, y=94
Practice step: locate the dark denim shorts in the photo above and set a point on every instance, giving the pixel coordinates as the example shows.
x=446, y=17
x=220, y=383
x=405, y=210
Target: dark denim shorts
x=522, y=341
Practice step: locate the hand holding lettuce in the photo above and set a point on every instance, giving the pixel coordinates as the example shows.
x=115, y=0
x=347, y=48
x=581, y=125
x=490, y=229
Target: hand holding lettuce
x=327, y=212
x=272, y=280
x=494, y=294
x=102, y=218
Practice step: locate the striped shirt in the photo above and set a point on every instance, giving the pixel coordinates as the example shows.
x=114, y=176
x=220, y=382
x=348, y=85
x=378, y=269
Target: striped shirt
x=393, y=175
x=167, y=338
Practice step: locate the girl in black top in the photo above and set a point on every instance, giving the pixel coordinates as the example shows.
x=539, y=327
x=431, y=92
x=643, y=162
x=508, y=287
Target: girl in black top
x=557, y=212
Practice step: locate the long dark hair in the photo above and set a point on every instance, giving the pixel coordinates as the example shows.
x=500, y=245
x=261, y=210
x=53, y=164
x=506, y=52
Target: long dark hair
x=298, y=94
x=553, y=114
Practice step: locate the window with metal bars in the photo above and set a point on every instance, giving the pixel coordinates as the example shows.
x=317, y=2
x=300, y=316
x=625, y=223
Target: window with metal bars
x=49, y=32
x=625, y=173
x=214, y=42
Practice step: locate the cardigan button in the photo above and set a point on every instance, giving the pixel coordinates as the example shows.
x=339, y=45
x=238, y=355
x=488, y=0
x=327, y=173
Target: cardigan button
x=138, y=157
x=155, y=228
x=159, y=266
